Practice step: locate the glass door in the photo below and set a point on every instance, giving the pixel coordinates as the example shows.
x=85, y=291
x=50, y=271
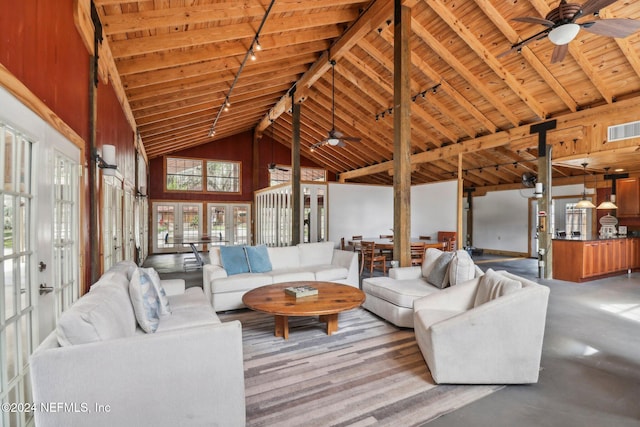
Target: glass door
x=229, y=224
x=175, y=224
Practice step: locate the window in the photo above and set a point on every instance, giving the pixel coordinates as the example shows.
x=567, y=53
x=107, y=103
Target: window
x=189, y=175
x=223, y=177
x=576, y=220
x=283, y=174
x=184, y=174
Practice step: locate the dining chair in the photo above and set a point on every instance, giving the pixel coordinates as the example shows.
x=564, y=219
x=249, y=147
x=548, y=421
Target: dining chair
x=449, y=237
x=386, y=236
x=371, y=258
x=425, y=237
x=417, y=253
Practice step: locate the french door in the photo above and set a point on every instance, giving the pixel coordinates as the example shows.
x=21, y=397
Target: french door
x=229, y=223
x=40, y=173
x=174, y=223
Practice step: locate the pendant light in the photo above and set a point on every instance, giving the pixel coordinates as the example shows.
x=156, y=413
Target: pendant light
x=608, y=204
x=584, y=203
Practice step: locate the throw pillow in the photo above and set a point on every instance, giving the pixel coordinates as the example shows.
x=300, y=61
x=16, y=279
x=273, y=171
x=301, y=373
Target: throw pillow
x=461, y=268
x=430, y=257
x=144, y=300
x=164, y=307
x=234, y=259
x=493, y=285
x=439, y=276
x=258, y=258
x=214, y=256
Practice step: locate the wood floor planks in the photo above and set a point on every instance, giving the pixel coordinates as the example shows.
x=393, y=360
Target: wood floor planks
x=367, y=373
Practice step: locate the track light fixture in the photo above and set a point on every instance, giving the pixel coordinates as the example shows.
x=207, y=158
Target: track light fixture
x=423, y=94
x=255, y=44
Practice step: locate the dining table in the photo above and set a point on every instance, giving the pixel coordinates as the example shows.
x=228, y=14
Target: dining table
x=387, y=244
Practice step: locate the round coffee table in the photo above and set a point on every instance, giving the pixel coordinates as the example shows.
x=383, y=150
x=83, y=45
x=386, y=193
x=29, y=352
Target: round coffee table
x=332, y=298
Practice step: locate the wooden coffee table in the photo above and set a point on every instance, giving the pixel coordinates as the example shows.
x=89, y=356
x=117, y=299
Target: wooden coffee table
x=332, y=298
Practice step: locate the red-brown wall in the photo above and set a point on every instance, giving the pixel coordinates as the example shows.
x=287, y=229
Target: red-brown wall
x=40, y=45
x=236, y=148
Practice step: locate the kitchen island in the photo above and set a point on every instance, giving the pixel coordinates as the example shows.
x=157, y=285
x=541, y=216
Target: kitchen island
x=582, y=259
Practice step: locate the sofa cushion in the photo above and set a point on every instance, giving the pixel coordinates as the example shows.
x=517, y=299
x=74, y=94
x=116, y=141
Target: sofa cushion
x=283, y=257
x=320, y=253
x=258, y=258
x=240, y=282
x=398, y=292
x=104, y=313
x=493, y=285
x=291, y=275
x=439, y=275
x=328, y=273
x=430, y=257
x=234, y=259
x=461, y=268
x=145, y=301
x=195, y=316
x=192, y=297
x=164, y=307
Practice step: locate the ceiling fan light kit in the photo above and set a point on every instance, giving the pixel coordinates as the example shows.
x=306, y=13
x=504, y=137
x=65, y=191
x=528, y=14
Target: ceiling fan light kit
x=564, y=34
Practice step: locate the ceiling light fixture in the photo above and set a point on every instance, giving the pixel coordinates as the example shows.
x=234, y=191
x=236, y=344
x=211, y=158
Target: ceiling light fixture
x=584, y=203
x=250, y=54
x=608, y=204
x=564, y=33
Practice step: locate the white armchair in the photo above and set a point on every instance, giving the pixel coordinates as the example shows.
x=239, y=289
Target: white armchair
x=488, y=330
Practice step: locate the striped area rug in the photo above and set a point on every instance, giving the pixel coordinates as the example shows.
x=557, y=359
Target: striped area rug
x=367, y=373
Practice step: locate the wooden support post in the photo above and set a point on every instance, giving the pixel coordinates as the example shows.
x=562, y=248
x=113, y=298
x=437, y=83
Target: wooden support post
x=544, y=203
x=461, y=240
x=402, y=135
x=256, y=176
x=296, y=193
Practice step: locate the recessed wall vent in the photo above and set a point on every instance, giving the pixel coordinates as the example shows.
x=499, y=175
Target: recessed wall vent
x=623, y=131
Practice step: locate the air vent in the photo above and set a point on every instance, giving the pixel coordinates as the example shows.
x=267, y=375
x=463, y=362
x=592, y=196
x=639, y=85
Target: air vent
x=623, y=131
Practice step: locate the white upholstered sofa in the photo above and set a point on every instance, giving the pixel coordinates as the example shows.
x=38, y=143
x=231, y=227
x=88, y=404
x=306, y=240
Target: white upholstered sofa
x=392, y=297
x=306, y=261
x=488, y=330
x=101, y=369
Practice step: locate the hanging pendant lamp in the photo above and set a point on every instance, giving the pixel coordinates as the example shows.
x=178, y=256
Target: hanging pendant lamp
x=608, y=204
x=584, y=203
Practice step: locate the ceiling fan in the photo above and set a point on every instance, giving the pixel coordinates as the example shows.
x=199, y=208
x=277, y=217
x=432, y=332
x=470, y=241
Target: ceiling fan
x=562, y=28
x=334, y=138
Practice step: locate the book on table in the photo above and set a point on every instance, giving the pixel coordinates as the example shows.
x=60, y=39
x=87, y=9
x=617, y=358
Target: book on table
x=301, y=291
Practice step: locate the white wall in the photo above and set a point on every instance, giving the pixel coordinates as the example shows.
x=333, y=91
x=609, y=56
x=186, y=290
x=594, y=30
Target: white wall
x=500, y=219
x=367, y=210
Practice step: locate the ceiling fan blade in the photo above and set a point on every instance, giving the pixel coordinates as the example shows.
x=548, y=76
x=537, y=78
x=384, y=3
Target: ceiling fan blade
x=619, y=27
x=341, y=143
x=592, y=6
x=559, y=52
x=534, y=20
x=351, y=138
x=335, y=133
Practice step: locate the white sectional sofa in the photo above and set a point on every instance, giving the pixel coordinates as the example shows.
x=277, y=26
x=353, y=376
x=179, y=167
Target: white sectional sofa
x=392, y=297
x=488, y=330
x=101, y=369
x=306, y=261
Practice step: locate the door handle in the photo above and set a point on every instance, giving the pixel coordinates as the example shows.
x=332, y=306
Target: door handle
x=44, y=289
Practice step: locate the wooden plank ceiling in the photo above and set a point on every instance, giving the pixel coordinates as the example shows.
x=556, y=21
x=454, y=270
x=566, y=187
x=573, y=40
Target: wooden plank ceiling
x=179, y=62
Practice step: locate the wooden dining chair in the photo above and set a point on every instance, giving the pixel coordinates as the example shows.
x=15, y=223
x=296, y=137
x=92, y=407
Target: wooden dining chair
x=449, y=237
x=417, y=253
x=371, y=258
x=425, y=237
x=386, y=236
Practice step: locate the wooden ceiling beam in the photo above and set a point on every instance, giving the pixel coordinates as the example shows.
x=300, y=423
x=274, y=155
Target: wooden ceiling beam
x=489, y=59
x=183, y=39
x=512, y=36
x=618, y=112
x=377, y=13
x=465, y=73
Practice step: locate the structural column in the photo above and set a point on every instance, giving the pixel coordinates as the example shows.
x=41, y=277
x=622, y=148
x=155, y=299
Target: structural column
x=402, y=135
x=296, y=196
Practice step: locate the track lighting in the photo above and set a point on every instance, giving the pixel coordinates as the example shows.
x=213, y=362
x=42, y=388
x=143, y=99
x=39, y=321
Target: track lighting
x=258, y=46
x=252, y=55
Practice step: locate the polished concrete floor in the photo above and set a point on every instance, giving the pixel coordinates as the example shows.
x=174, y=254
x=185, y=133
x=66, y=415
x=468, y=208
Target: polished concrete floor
x=590, y=359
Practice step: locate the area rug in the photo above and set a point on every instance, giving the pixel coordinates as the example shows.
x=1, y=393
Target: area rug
x=367, y=373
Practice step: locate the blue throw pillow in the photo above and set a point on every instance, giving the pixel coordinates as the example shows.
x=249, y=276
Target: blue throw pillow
x=258, y=258
x=234, y=259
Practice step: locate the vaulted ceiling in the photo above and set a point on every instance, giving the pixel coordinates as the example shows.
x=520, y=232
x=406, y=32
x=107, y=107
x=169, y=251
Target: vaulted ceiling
x=181, y=61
